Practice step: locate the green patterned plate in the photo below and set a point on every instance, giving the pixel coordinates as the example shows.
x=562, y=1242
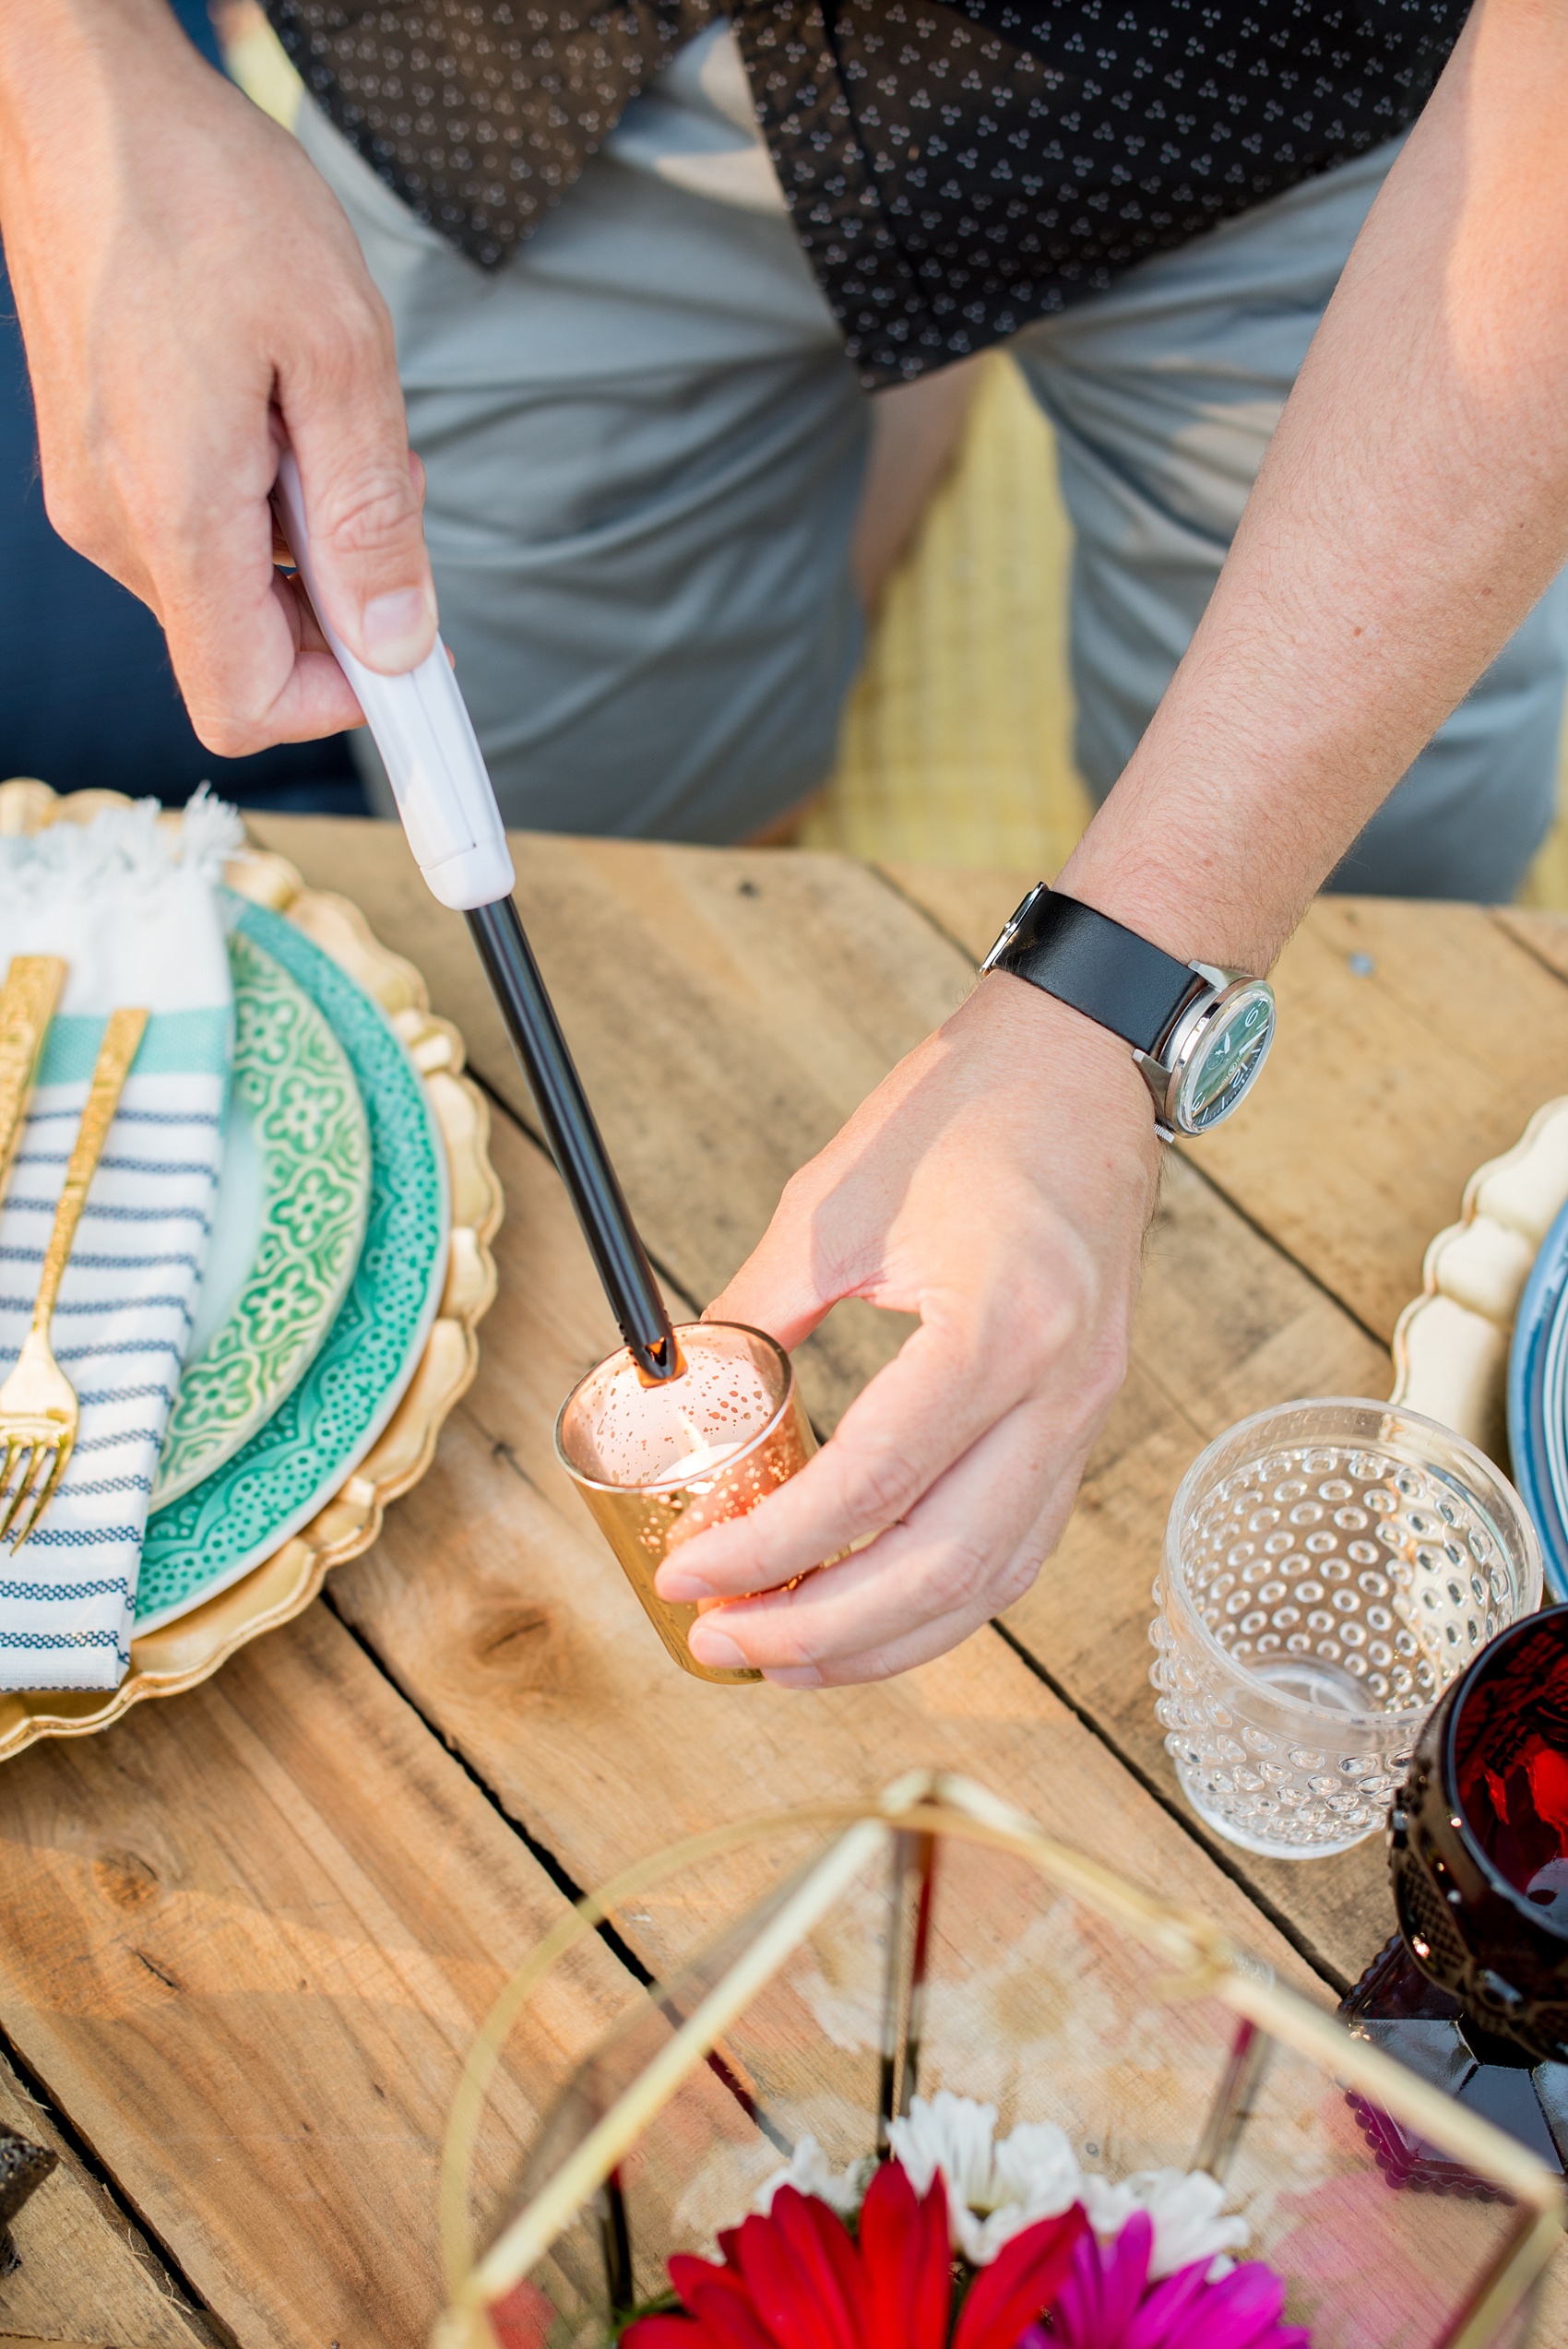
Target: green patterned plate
x=287, y=1230
x=299, y=1458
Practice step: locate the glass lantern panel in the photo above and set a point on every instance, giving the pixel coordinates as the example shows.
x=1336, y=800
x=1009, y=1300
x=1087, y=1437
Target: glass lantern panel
x=943, y=1962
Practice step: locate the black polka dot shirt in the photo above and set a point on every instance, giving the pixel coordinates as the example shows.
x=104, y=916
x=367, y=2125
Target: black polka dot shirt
x=953, y=171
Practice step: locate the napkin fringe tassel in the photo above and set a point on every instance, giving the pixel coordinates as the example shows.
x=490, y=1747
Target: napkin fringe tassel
x=135, y=844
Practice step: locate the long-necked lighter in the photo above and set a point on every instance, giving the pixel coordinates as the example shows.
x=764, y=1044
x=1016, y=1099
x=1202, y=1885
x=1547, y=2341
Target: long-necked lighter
x=445, y=797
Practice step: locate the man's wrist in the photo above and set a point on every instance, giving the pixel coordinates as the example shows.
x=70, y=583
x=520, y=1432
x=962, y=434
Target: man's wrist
x=1192, y=848
x=1191, y=916
x=1053, y=1047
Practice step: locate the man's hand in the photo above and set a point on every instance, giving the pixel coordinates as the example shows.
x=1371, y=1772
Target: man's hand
x=998, y=1184
x=191, y=294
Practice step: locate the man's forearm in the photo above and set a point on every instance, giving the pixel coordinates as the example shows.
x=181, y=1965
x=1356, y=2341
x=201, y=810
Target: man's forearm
x=1412, y=507
x=66, y=67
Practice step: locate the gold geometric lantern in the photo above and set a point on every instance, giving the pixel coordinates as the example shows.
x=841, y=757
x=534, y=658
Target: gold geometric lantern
x=829, y=1965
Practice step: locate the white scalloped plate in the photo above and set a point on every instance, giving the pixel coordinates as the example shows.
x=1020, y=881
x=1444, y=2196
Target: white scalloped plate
x=1451, y=1343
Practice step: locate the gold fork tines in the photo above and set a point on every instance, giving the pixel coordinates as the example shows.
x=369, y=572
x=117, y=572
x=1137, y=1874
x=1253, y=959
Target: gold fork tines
x=39, y=1411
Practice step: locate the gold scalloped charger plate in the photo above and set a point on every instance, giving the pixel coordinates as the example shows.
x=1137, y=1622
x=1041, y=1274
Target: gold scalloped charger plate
x=200, y=1625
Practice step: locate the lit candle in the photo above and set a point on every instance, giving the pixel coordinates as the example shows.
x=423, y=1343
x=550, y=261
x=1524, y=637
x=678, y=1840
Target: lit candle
x=700, y=1463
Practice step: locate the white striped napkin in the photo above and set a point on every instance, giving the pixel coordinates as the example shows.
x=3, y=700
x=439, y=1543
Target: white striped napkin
x=133, y=909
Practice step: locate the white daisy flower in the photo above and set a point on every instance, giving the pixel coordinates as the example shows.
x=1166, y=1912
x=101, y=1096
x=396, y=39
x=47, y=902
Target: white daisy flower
x=952, y=2134
x=1183, y=2207
x=993, y=2191
x=809, y=2171
x=995, y=2188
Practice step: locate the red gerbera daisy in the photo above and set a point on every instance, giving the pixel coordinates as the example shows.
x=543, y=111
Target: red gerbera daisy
x=798, y=2279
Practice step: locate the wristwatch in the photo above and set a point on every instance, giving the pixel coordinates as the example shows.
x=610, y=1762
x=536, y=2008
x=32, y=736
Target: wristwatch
x=1199, y=1035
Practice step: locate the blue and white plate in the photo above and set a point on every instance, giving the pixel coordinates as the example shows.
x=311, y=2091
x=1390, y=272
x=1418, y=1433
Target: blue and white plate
x=1538, y=1402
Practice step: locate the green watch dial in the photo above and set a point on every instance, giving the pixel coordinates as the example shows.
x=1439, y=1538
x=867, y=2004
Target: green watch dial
x=1226, y=1060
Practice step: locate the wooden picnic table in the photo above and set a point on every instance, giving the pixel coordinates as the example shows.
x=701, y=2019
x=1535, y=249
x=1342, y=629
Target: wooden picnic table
x=246, y=1936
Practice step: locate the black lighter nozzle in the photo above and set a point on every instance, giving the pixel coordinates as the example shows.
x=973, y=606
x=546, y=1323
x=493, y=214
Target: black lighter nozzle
x=665, y=1359
x=575, y=1140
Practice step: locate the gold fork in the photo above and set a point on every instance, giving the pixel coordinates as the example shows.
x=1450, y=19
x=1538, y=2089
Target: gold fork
x=39, y=1411
x=27, y=1006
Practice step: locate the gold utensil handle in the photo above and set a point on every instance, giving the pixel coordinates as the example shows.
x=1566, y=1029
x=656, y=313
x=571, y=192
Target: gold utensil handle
x=27, y=1006
x=116, y=1052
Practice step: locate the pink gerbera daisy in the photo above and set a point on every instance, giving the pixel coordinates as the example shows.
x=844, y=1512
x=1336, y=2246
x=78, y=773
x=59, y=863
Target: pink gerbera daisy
x=1107, y=2301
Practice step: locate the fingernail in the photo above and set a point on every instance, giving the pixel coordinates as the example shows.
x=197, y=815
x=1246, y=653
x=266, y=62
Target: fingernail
x=397, y=628
x=683, y=1590
x=714, y=1648
x=795, y=1676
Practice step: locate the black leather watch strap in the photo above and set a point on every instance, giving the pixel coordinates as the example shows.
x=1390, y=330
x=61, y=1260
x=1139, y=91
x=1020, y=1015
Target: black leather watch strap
x=1086, y=959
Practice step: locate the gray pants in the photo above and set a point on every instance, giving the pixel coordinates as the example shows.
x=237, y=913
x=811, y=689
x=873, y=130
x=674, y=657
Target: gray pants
x=644, y=449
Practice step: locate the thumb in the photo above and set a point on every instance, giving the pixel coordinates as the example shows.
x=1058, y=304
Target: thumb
x=363, y=490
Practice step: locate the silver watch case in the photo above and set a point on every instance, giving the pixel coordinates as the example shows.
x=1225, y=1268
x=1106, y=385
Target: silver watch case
x=1167, y=1072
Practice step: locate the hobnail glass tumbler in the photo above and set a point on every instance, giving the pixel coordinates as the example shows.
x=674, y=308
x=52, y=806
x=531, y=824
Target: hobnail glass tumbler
x=1330, y=1567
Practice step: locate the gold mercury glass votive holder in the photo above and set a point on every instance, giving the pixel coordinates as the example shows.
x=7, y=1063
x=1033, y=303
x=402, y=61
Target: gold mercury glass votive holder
x=658, y=1462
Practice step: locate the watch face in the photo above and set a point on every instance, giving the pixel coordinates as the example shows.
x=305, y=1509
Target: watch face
x=1226, y=1059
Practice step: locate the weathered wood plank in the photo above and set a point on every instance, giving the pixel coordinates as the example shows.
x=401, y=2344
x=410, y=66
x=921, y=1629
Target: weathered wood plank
x=967, y=904
x=1392, y=1085
x=85, y=2276
x=1543, y=935
x=244, y=1942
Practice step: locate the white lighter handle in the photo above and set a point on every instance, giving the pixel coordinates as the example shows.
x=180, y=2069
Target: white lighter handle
x=421, y=728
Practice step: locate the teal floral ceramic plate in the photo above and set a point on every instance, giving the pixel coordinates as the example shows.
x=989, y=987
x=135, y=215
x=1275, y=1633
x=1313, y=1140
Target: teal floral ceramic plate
x=289, y=1218
x=299, y=1458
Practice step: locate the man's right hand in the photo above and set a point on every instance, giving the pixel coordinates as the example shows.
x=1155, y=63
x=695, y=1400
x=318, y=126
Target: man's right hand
x=191, y=295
